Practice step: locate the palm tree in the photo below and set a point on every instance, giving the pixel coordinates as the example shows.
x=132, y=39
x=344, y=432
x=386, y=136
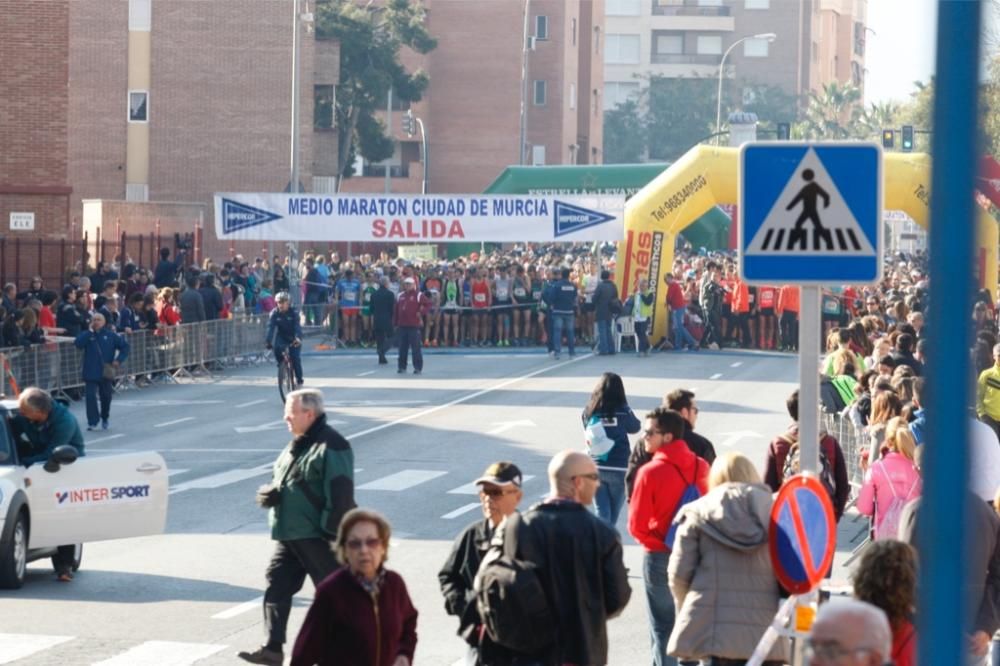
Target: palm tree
x=833, y=113
x=876, y=117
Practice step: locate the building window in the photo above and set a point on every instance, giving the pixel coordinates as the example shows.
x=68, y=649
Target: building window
x=597, y=39
x=619, y=92
x=622, y=8
x=755, y=48
x=541, y=27
x=140, y=15
x=757, y=4
x=669, y=44
x=573, y=24
x=709, y=44
x=815, y=52
x=621, y=50
x=138, y=106
x=597, y=102
x=323, y=104
x=572, y=96
x=538, y=155
x=709, y=3
x=540, y=93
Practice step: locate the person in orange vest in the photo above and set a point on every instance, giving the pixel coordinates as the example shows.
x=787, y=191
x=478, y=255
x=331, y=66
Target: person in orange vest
x=788, y=312
x=767, y=322
x=741, y=313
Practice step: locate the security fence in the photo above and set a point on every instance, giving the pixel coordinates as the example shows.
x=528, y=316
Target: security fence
x=160, y=355
x=853, y=441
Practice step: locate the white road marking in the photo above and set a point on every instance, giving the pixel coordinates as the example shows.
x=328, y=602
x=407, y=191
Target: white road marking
x=163, y=653
x=461, y=510
x=737, y=435
x=716, y=375
x=221, y=479
x=174, y=422
x=165, y=403
x=473, y=489
x=175, y=472
x=402, y=480
x=88, y=442
x=273, y=425
x=250, y=404
x=467, y=398
x=736, y=364
x=19, y=646
x=230, y=613
x=365, y=374
x=271, y=450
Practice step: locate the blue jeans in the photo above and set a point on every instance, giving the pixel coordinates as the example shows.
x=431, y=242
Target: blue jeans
x=641, y=336
x=659, y=605
x=93, y=390
x=604, y=340
x=560, y=322
x=682, y=338
x=295, y=353
x=610, y=496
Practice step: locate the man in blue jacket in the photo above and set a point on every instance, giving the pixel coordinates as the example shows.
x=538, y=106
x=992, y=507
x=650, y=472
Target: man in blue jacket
x=284, y=333
x=103, y=353
x=561, y=298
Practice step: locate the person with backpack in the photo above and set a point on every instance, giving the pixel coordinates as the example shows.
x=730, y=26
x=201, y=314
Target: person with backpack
x=783, y=460
x=720, y=570
x=891, y=482
x=672, y=479
x=607, y=423
x=554, y=574
x=500, y=493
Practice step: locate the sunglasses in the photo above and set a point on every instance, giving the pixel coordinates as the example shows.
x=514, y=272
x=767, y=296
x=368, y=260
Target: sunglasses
x=371, y=543
x=650, y=433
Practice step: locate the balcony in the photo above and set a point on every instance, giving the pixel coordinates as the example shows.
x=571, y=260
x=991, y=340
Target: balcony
x=685, y=59
x=688, y=9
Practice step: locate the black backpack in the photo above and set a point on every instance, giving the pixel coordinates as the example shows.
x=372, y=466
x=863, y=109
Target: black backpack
x=793, y=466
x=512, y=603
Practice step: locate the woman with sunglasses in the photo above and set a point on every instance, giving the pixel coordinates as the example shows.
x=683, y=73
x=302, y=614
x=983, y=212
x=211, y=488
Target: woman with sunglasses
x=361, y=613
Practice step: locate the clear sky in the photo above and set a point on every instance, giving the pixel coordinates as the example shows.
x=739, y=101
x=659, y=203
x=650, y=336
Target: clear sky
x=902, y=49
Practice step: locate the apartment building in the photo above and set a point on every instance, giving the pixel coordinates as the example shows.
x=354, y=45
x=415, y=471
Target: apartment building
x=471, y=111
x=816, y=42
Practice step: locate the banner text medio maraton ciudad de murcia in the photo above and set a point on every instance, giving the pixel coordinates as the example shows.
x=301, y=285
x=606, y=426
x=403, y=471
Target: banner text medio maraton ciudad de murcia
x=419, y=218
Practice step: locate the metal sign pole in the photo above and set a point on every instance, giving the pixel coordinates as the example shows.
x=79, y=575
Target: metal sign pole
x=809, y=345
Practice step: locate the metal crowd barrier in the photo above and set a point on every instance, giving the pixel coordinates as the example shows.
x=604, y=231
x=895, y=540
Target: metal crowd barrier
x=852, y=442
x=160, y=355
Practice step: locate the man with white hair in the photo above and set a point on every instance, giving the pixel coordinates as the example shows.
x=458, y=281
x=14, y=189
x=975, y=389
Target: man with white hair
x=849, y=632
x=311, y=490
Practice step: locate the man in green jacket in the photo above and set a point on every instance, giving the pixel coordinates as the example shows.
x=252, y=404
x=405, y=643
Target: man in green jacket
x=42, y=424
x=311, y=490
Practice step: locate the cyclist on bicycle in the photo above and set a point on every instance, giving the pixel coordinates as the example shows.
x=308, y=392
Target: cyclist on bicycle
x=284, y=333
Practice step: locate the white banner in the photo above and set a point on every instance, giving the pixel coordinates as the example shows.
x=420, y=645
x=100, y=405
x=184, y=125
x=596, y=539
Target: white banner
x=404, y=218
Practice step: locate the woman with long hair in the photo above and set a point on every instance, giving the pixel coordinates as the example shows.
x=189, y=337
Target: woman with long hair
x=886, y=578
x=885, y=405
x=720, y=569
x=892, y=481
x=607, y=423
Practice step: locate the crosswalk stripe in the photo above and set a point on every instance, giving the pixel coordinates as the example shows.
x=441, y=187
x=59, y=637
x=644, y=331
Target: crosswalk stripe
x=461, y=510
x=473, y=489
x=175, y=472
x=163, y=653
x=402, y=480
x=246, y=607
x=221, y=479
x=19, y=646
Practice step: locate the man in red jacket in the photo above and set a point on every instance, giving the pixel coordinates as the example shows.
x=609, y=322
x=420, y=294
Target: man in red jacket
x=659, y=487
x=408, y=318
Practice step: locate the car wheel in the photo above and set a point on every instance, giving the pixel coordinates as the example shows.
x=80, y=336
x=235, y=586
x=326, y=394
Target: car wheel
x=14, y=555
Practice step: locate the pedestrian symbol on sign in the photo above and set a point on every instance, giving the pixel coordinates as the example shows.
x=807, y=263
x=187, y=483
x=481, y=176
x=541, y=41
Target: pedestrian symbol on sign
x=798, y=225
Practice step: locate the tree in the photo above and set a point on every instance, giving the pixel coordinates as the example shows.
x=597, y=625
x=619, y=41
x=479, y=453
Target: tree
x=876, y=117
x=371, y=37
x=680, y=112
x=832, y=114
x=771, y=104
x=624, y=134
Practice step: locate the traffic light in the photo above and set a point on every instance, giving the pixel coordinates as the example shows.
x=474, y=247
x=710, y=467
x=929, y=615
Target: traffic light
x=888, y=139
x=907, y=142
x=784, y=131
x=409, y=125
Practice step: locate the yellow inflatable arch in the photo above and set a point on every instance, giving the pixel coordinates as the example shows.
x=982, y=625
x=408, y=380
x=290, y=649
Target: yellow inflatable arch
x=707, y=175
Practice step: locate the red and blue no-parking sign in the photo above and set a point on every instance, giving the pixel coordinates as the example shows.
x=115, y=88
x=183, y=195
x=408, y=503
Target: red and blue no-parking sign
x=802, y=536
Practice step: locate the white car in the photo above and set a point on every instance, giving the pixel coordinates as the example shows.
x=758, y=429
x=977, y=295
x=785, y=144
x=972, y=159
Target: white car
x=92, y=498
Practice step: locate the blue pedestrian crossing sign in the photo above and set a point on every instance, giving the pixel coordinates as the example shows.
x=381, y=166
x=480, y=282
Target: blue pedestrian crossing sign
x=810, y=213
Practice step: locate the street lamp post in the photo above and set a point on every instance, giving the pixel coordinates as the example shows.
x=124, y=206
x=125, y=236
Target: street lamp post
x=770, y=37
x=525, y=47
x=423, y=144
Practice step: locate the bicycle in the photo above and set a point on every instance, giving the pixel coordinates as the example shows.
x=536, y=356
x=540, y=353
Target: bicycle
x=286, y=375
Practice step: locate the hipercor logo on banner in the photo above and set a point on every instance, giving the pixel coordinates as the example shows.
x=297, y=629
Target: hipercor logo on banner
x=568, y=219
x=236, y=216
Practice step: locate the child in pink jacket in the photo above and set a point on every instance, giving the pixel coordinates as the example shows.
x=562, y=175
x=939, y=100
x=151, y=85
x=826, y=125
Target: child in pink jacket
x=892, y=481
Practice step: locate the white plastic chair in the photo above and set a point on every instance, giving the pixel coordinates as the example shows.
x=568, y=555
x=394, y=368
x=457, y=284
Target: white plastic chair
x=625, y=328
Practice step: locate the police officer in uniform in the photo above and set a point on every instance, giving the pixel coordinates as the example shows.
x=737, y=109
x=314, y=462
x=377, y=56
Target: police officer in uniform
x=284, y=333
